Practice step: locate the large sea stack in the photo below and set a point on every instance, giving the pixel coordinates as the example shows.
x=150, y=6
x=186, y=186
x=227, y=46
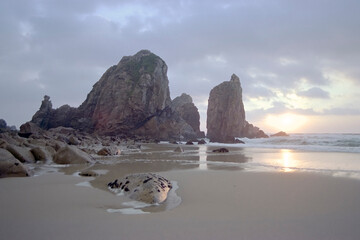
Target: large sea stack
x=226, y=114
x=131, y=98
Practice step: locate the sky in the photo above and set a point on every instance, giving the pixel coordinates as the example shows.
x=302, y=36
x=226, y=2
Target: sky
x=298, y=61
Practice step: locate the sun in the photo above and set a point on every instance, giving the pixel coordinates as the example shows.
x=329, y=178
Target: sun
x=288, y=122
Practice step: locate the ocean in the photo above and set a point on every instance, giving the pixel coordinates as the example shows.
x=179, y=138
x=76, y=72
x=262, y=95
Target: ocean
x=310, y=142
x=334, y=154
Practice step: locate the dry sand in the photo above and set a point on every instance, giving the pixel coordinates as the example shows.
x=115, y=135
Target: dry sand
x=216, y=204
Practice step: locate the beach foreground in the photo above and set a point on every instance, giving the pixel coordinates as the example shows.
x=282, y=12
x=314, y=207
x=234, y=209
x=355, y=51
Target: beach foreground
x=215, y=204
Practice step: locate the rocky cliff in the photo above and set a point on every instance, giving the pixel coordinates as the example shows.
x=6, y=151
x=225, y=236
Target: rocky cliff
x=226, y=114
x=130, y=98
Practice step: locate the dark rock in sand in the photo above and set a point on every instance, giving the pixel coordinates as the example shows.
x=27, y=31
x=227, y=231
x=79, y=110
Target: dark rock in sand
x=10, y=166
x=104, y=152
x=144, y=187
x=221, y=150
x=71, y=155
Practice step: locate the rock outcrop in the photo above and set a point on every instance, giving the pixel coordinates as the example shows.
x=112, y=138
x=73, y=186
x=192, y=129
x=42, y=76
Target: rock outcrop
x=188, y=111
x=144, y=187
x=131, y=98
x=226, y=114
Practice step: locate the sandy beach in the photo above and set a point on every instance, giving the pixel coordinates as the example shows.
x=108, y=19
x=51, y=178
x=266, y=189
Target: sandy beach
x=224, y=202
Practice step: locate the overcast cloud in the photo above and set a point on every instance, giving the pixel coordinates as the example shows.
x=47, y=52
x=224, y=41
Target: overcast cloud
x=291, y=56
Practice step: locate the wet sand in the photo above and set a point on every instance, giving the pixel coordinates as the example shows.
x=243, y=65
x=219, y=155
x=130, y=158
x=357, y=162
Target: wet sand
x=219, y=203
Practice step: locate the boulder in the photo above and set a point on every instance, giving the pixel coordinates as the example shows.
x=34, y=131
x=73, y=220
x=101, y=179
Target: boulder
x=44, y=154
x=104, y=152
x=10, y=166
x=201, y=141
x=71, y=155
x=23, y=154
x=145, y=187
x=27, y=129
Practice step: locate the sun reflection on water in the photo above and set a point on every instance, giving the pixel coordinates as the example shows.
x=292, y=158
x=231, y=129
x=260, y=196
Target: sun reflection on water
x=288, y=163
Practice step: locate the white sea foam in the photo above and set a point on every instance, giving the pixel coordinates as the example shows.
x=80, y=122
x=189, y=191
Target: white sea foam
x=127, y=211
x=84, y=184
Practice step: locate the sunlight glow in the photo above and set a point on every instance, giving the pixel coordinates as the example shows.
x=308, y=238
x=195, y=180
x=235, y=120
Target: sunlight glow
x=287, y=122
x=287, y=161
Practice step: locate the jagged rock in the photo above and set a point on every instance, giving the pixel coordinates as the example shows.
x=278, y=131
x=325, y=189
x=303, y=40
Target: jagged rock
x=23, y=154
x=221, y=150
x=201, y=141
x=280, y=134
x=3, y=123
x=71, y=155
x=131, y=98
x=188, y=111
x=10, y=166
x=226, y=114
x=144, y=187
x=250, y=131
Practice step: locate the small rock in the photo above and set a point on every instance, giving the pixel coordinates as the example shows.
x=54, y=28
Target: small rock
x=201, y=141
x=189, y=143
x=221, y=150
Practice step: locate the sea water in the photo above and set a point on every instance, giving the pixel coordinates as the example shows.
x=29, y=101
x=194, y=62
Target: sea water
x=335, y=154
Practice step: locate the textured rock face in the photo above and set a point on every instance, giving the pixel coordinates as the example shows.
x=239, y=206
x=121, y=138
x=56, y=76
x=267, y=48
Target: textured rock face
x=226, y=114
x=188, y=111
x=131, y=98
x=128, y=94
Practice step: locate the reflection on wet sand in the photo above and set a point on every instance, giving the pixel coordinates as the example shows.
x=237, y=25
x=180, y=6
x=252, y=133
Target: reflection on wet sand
x=159, y=158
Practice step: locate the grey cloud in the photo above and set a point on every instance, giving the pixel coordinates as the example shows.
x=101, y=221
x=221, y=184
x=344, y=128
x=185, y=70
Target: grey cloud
x=68, y=45
x=314, y=92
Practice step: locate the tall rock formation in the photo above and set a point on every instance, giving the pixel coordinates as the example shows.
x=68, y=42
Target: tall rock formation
x=188, y=111
x=226, y=114
x=131, y=98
